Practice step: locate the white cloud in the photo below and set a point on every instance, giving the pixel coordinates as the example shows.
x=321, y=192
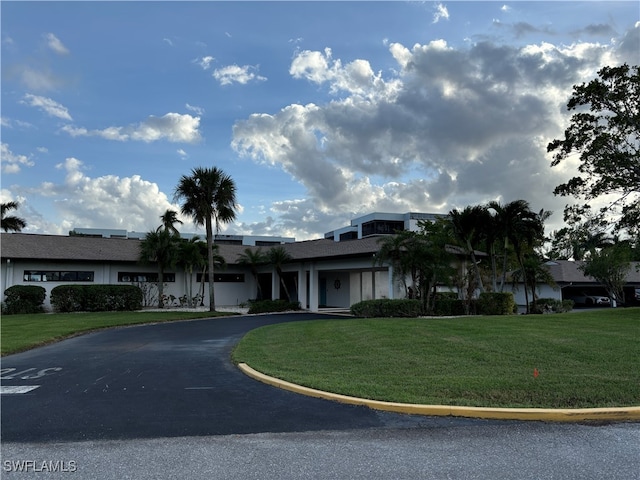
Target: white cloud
x=47, y=105
x=39, y=80
x=357, y=77
x=182, y=153
x=453, y=127
x=108, y=201
x=440, y=13
x=236, y=74
x=11, y=162
x=172, y=127
x=197, y=110
x=205, y=62
x=168, y=41
x=505, y=8
x=55, y=44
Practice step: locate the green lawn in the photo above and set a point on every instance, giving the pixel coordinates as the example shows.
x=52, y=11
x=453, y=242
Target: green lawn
x=21, y=332
x=583, y=359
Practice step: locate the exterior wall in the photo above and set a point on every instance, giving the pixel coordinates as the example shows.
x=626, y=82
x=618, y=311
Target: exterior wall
x=544, y=291
x=227, y=293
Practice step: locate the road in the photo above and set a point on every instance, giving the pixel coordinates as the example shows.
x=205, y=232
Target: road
x=164, y=401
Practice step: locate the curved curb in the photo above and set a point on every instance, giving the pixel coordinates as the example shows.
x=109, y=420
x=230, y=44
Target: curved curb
x=539, y=414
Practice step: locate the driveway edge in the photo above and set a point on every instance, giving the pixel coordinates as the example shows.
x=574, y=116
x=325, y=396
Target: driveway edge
x=539, y=414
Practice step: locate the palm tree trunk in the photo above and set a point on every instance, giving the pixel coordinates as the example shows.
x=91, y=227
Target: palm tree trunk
x=212, y=301
x=160, y=287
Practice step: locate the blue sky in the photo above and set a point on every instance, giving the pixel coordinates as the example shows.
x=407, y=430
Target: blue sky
x=319, y=111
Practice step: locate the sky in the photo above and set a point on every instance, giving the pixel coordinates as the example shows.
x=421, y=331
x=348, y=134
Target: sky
x=319, y=111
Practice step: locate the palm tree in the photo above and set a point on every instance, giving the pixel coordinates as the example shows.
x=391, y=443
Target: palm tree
x=209, y=197
x=523, y=229
x=15, y=224
x=277, y=256
x=468, y=227
x=252, y=259
x=161, y=248
x=169, y=219
x=190, y=254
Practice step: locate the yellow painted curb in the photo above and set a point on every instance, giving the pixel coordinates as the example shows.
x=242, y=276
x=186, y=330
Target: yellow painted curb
x=540, y=414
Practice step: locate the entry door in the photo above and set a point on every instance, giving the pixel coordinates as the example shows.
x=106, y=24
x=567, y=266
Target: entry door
x=323, y=292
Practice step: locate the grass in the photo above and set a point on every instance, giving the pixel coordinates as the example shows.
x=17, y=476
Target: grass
x=22, y=332
x=583, y=359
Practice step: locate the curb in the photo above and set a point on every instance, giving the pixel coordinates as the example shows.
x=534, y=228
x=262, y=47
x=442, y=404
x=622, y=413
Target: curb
x=539, y=414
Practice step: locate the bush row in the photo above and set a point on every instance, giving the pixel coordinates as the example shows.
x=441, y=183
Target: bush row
x=24, y=299
x=551, y=305
x=387, y=308
x=96, y=298
x=267, y=306
x=444, y=304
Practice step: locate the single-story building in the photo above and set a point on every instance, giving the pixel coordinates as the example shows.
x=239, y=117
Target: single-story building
x=332, y=272
x=322, y=273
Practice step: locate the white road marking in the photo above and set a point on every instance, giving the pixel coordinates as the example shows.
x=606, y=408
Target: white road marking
x=16, y=389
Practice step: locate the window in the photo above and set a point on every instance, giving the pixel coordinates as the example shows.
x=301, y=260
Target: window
x=57, y=276
x=135, y=277
x=378, y=227
x=223, y=277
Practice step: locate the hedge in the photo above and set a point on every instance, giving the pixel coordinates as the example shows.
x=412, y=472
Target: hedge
x=268, y=306
x=96, y=298
x=24, y=299
x=496, y=303
x=386, y=307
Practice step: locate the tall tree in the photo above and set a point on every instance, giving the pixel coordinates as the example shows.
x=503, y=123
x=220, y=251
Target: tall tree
x=169, y=219
x=13, y=223
x=190, y=256
x=607, y=137
x=161, y=248
x=277, y=257
x=208, y=195
x=253, y=259
x=610, y=266
x=468, y=228
x=421, y=256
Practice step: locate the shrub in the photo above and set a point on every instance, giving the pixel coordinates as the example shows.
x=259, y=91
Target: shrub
x=268, y=306
x=96, y=298
x=386, y=307
x=24, y=299
x=496, y=303
x=451, y=306
x=552, y=305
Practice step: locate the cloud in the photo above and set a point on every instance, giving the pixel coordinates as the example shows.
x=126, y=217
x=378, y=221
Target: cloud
x=55, y=44
x=236, y=74
x=357, y=77
x=182, y=153
x=172, y=127
x=11, y=162
x=168, y=41
x=440, y=13
x=449, y=127
x=108, y=201
x=40, y=80
x=197, y=110
x=47, y=105
x=205, y=62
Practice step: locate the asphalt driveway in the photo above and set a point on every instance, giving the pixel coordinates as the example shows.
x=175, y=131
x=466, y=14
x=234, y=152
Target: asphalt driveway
x=163, y=380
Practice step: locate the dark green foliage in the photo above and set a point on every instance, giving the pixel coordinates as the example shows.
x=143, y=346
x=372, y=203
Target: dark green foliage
x=268, y=306
x=552, y=305
x=386, y=307
x=496, y=303
x=96, y=298
x=24, y=299
x=452, y=306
